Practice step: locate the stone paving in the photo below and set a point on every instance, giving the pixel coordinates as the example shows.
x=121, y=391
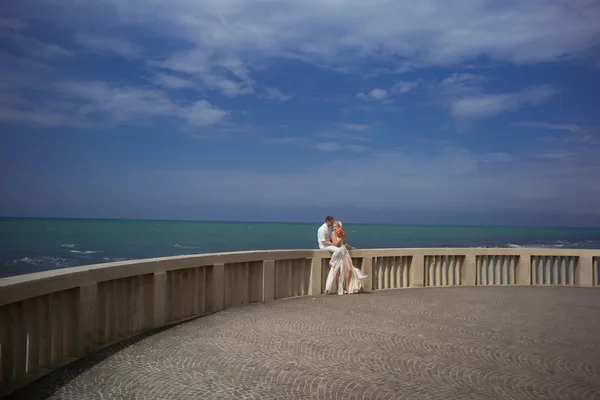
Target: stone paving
x=448, y=343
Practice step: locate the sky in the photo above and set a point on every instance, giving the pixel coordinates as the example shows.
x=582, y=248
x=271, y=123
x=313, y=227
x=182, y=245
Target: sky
x=436, y=112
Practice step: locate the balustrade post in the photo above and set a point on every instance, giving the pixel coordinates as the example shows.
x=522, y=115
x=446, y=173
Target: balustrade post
x=523, y=270
x=217, y=285
x=584, y=272
x=87, y=323
x=316, y=272
x=367, y=269
x=469, y=271
x=18, y=340
x=268, y=275
x=43, y=314
x=148, y=301
x=6, y=357
x=160, y=296
x=32, y=319
x=417, y=270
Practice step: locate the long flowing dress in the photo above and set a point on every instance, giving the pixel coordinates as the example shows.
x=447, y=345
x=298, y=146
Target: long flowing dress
x=337, y=264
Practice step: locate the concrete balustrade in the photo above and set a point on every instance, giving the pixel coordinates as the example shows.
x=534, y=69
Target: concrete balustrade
x=497, y=270
x=50, y=318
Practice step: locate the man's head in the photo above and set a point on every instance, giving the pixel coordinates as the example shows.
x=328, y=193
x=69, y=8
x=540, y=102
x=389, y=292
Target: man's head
x=329, y=220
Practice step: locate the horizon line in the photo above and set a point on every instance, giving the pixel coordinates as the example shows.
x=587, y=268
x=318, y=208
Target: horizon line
x=299, y=222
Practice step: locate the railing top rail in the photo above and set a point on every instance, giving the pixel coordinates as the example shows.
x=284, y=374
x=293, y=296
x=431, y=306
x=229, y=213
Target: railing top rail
x=25, y=286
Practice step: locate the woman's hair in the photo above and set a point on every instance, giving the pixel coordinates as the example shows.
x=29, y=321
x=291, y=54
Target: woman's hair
x=339, y=223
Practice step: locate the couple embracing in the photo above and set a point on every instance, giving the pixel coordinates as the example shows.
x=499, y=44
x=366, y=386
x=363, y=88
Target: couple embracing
x=343, y=277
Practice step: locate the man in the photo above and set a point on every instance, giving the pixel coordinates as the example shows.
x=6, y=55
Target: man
x=324, y=236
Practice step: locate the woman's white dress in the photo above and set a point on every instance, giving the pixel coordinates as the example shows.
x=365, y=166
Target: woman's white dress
x=337, y=264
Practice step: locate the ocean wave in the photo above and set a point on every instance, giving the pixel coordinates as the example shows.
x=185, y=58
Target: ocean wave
x=114, y=259
x=60, y=262
x=553, y=246
x=559, y=244
x=185, y=247
x=86, y=251
x=69, y=245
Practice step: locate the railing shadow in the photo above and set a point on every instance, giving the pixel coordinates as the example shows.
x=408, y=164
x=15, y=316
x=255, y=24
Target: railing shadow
x=48, y=385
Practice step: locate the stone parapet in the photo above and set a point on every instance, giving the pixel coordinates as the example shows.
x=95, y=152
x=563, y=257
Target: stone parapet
x=51, y=318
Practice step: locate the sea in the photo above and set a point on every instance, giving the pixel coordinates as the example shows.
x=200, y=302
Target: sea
x=30, y=245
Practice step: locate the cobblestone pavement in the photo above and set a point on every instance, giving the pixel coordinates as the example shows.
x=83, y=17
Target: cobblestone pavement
x=453, y=343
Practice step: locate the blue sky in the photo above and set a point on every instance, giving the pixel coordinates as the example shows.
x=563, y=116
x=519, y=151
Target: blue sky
x=471, y=111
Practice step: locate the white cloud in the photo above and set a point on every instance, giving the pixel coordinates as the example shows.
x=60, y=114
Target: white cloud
x=377, y=94
x=337, y=139
x=108, y=44
x=464, y=95
x=83, y=104
x=355, y=127
x=487, y=105
x=118, y=103
x=211, y=70
x=21, y=76
x=561, y=155
x=190, y=62
x=286, y=140
x=12, y=23
x=172, y=81
x=571, y=133
x=32, y=93
x=39, y=116
x=322, y=142
x=343, y=135
x=374, y=95
x=19, y=72
x=32, y=46
x=204, y=113
x=131, y=104
x=545, y=125
x=444, y=178
x=275, y=94
x=403, y=86
x=10, y=33
x=225, y=42
x=344, y=32
x=459, y=83
x=341, y=147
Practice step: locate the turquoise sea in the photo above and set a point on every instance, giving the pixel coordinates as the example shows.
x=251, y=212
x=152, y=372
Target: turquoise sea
x=31, y=245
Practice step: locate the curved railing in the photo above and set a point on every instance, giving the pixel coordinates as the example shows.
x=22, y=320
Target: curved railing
x=50, y=318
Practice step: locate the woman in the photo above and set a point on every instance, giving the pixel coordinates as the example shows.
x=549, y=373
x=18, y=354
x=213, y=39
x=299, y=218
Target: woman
x=343, y=276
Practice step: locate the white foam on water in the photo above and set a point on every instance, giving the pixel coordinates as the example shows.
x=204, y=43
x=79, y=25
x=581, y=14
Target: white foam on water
x=185, y=247
x=86, y=251
x=60, y=262
x=69, y=245
x=559, y=244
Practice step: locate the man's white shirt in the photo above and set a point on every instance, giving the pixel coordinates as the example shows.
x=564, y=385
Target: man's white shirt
x=323, y=235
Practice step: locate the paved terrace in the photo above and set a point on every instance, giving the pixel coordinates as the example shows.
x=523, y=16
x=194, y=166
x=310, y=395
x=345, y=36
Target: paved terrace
x=439, y=343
